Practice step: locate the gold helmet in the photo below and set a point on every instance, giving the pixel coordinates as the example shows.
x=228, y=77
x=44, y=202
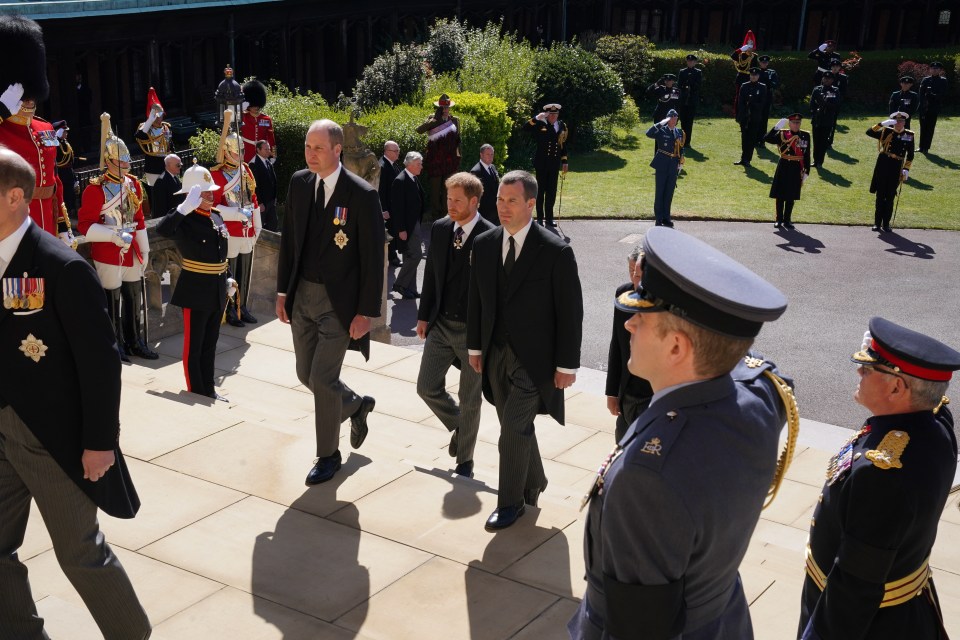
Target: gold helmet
x=229, y=142
x=111, y=146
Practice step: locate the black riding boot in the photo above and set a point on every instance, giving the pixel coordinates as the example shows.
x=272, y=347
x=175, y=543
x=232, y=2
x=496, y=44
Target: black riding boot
x=133, y=329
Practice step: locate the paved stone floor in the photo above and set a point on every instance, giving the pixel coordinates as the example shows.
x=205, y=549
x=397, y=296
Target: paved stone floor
x=230, y=544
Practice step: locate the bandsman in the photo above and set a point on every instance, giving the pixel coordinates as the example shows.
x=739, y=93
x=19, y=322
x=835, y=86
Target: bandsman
x=906, y=100
x=23, y=84
x=842, y=82
x=771, y=80
x=667, y=162
x=550, y=133
x=750, y=103
x=111, y=217
x=155, y=139
x=690, y=80
x=238, y=206
x=743, y=61
x=793, y=145
x=895, y=146
x=256, y=125
x=823, y=55
x=667, y=95
x=65, y=160
x=824, y=103
x=933, y=91
x=875, y=522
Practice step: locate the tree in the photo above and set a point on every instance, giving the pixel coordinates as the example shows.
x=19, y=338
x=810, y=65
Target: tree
x=579, y=80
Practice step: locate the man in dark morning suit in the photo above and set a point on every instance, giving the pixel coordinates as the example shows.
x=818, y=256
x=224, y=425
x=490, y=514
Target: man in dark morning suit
x=329, y=282
x=388, y=172
x=407, y=204
x=525, y=320
x=442, y=318
x=59, y=420
x=490, y=179
x=166, y=189
x=266, y=179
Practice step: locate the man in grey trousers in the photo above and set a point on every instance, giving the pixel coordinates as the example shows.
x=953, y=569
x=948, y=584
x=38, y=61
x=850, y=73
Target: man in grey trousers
x=442, y=318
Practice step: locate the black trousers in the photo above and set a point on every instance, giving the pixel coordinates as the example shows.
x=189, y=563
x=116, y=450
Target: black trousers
x=784, y=210
x=201, y=330
x=928, y=124
x=749, y=134
x=884, y=208
x=821, y=142
x=268, y=216
x=548, y=176
x=687, y=115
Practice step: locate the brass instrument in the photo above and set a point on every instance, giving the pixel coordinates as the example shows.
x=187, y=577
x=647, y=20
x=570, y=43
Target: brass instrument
x=851, y=63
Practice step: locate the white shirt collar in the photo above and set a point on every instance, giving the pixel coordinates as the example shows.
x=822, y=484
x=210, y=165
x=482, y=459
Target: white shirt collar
x=329, y=183
x=10, y=244
x=485, y=166
x=407, y=171
x=467, y=228
x=518, y=239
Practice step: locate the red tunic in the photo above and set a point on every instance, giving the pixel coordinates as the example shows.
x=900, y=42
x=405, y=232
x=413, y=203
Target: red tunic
x=254, y=129
x=236, y=228
x=91, y=212
x=38, y=144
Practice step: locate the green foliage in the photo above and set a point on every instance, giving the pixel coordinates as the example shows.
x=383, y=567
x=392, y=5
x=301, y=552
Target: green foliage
x=398, y=124
x=446, y=46
x=501, y=65
x=631, y=56
x=204, y=145
x=396, y=77
x=580, y=81
x=615, y=129
x=493, y=125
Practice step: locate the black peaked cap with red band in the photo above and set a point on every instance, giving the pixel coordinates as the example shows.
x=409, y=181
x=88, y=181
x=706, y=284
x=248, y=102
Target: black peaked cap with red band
x=909, y=352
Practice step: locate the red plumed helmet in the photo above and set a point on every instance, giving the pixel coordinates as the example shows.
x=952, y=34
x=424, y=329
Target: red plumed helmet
x=152, y=99
x=750, y=39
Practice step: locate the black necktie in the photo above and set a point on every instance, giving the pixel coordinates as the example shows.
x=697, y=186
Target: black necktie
x=321, y=196
x=511, y=257
x=493, y=174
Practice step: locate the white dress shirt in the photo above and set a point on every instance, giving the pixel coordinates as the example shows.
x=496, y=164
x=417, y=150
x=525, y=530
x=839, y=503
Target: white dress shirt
x=10, y=244
x=329, y=184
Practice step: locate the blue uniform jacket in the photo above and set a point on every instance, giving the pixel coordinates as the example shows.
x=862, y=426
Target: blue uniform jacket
x=669, y=146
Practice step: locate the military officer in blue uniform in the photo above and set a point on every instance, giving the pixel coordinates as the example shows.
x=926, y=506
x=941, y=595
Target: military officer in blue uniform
x=868, y=572
x=667, y=161
x=674, y=505
x=667, y=94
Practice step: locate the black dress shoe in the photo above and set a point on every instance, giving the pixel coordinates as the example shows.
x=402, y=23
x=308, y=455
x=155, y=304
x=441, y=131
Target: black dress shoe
x=668, y=223
x=234, y=321
x=246, y=316
x=886, y=228
x=324, y=469
x=874, y=228
x=123, y=353
x=465, y=469
x=789, y=225
x=503, y=517
x=358, y=422
x=454, y=440
x=742, y=163
x=532, y=496
x=776, y=225
x=141, y=350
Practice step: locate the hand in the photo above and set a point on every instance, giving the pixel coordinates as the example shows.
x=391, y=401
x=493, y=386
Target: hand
x=889, y=122
x=781, y=124
x=386, y=215
x=746, y=48
x=823, y=47
x=867, y=341
x=96, y=464
x=422, y=329
x=904, y=175
x=67, y=238
x=231, y=287
x=475, y=363
x=281, y=310
x=145, y=258
x=60, y=133
x=563, y=169
x=191, y=201
x=563, y=380
x=542, y=116
x=403, y=235
x=663, y=122
x=12, y=97
x=243, y=107
x=122, y=239
x=613, y=405
x=359, y=327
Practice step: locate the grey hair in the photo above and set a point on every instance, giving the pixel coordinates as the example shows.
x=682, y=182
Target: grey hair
x=334, y=130
x=169, y=157
x=636, y=251
x=485, y=147
x=526, y=179
x=927, y=393
x=389, y=143
x=412, y=156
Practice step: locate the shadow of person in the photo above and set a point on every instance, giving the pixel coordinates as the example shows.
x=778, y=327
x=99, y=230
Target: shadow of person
x=840, y=156
x=696, y=155
x=832, y=178
x=310, y=564
x=941, y=161
x=913, y=183
x=904, y=247
x=756, y=174
x=799, y=242
x=842, y=128
x=764, y=152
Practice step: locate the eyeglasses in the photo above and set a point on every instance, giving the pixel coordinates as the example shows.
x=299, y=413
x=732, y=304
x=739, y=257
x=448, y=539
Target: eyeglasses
x=873, y=367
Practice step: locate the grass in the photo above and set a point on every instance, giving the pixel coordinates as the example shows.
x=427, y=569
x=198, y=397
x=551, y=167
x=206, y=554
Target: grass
x=617, y=181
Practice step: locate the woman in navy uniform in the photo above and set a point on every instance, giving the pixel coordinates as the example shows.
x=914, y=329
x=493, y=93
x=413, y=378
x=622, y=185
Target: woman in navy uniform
x=793, y=145
x=667, y=161
x=868, y=572
x=895, y=147
x=204, y=283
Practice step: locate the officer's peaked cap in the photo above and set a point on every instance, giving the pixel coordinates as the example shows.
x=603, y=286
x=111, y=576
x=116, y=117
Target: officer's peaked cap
x=907, y=351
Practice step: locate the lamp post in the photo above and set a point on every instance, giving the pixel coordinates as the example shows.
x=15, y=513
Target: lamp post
x=229, y=95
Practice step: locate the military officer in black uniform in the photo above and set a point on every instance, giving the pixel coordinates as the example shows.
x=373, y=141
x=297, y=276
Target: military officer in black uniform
x=667, y=161
x=822, y=54
x=793, y=145
x=868, y=552
x=204, y=284
x=771, y=80
x=824, y=103
x=906, y=99
x=895, y=145
x=750, y=103
x=550, y=134
x=690, y=79
x=933, y=91
x=65, y=160
x=674, y=505
x=842, y=82
x=667, y=95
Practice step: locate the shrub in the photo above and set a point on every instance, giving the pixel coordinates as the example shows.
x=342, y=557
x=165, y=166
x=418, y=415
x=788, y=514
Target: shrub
x=501, y=65
x=608, y=128
x=396, y=77
x=204, y=145
x=493, y=125
x=398, y=124
x=631, y=57
x=446, y=46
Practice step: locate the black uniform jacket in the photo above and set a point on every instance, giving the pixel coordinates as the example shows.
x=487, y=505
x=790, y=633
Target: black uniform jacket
x=551, y=143
x=200, y=238
x=543, y=309
x=353, y=275
x=69, y=397
x=906, y=101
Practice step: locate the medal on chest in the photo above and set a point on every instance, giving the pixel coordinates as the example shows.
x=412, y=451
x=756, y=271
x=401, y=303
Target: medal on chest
x=841, y=461
x=23, y=293
x=596, y=487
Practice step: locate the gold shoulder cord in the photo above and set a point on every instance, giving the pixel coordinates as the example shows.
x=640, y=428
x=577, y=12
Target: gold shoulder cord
x=793, y=430
x=956, y=488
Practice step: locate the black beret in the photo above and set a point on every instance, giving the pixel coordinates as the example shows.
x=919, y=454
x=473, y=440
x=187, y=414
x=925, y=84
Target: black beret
x=907, y=351
x=690, y=56
x=754, y=71
x=691, y=279
x=24, y=57
x=907, y=79
x=764, y=58
x=255, y=93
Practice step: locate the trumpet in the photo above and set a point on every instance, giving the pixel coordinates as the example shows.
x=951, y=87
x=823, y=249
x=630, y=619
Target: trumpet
x=851, y=63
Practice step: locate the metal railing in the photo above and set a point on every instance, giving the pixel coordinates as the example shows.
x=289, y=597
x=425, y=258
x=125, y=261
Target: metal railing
x=136, y=167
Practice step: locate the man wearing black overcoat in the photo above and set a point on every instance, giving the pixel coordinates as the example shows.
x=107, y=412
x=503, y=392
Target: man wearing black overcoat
x=490, y=179
x=388, y=172
x=407, y=204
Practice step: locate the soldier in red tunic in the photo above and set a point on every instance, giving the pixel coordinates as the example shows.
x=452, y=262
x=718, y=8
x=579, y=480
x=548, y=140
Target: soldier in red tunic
x=256, y=125
x=112, y=220
x=23, y=83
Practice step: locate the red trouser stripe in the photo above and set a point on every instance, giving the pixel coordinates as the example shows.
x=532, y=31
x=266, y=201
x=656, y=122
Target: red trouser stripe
x=186, y=346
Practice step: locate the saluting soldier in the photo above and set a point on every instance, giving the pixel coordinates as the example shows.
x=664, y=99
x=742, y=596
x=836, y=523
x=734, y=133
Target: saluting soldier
x=667, y=161
x=111, y=217
x=256, y=125
x=238, y=206
x=873, y=529
x=793, y=145
x=743, y=60
x=771, y=80
x=204, y=283
x=550, y=133
x=750, y=103
x=933, y=91
x=895, y=145
x=824, y=103
x=23, y=84
x=823, y=55
x=667, y=95
x=155, y=139
x=906, y=100
x=65, y=160
x=690, y=80
x=674, y=505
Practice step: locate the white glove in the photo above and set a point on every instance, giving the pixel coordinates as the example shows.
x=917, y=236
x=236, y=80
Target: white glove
x=889, y=122
x=244, y=106
x=192, y=201
x=122, y=239
x=231, y=287
x=781, y=124
x=746, y=48
x=663, y=122
x=906, y=174
x=542, y=116
x=867, y=341
x=149, y=122
x=823, y=47
x=67, y=238
x=803, y=178
x=12, y=97
x=60, y=133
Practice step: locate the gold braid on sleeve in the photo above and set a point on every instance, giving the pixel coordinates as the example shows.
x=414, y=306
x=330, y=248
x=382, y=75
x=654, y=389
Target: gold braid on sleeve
x=793, y=430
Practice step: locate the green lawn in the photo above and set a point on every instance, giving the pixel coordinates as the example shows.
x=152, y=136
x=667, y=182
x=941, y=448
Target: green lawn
x=617, y=181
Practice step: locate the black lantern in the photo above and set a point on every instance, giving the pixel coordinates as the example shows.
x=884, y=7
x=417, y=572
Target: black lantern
x=229, y=95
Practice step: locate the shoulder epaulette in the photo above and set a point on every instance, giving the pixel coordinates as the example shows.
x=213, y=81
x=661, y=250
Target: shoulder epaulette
x=888, y=452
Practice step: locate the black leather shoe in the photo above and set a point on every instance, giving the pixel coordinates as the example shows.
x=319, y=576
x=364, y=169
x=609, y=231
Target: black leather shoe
x=789, y=225
x=503, y=517
x=741, y=163
x=532, y=496
x=874, y=228
x=668, y=223
x=776, y=225
x=886, y=228
x=454, y=440
x=234, y=321
x=141, y=350
x=358, y=422
x=246, y=316
x=324, y=469
x=465, y=469
x=123, y=353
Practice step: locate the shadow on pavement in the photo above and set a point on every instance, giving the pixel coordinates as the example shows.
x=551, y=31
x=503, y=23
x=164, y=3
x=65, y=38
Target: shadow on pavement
x=799, y=242
x=832, y=178
x=904, y=247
